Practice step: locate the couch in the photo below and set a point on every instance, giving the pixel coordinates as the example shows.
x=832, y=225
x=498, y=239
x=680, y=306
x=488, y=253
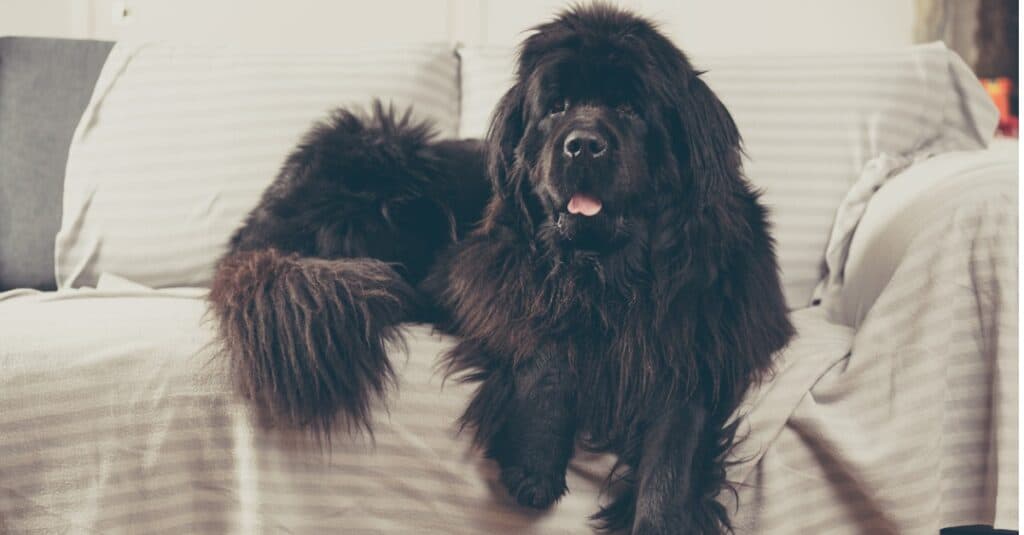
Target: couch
x=124, y=167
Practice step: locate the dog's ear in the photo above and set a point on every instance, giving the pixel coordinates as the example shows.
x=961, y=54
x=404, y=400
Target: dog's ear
x=506, y=172
x=502, y=137
x=713, y=236
x=705, y=139
x=702, y=180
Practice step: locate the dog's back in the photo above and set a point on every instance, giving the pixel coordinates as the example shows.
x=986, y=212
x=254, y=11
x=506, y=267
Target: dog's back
x=317, y=280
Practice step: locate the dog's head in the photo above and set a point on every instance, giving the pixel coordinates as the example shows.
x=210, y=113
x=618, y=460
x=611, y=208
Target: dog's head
x=606, y=125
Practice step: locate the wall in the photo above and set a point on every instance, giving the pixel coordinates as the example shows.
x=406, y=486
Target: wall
x=741, y=26
x=61, y=18
x=700, y=26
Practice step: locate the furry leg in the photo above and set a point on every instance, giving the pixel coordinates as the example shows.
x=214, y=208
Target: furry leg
x=681, y=471
x=535, y=443
x=307, y=337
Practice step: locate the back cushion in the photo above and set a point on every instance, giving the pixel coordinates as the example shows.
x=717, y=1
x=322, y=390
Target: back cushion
x=809, y=125
x=178, y=142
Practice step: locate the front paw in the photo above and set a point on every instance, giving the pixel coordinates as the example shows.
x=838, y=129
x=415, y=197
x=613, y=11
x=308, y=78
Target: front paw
x=701, y=521
x=537, y=490
x=676, y=528
x=646, y=528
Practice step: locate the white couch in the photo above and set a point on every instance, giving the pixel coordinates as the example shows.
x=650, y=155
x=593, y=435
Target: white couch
x=893, y=411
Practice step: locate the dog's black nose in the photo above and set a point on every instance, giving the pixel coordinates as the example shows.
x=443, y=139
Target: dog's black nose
x=582, y=143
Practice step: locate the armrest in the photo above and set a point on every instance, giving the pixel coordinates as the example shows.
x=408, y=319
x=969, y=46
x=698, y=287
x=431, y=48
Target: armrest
x=927, y=194
x=44, y=86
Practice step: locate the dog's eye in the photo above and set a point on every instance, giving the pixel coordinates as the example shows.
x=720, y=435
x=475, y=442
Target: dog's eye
x=625, y=109
x=558, y=106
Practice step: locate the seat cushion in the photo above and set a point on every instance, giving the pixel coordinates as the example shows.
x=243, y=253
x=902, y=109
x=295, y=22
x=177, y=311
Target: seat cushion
x=117, y=416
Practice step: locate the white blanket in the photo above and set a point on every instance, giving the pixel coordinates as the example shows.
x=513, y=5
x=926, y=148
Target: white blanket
x=116, y=417
x=917, y=429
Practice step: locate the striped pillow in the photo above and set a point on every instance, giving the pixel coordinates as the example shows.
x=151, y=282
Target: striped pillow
x=810, y=124
x=179, y=141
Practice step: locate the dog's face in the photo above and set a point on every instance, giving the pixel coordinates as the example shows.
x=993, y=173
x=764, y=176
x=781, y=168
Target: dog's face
x=606, y=121
x=586, y=145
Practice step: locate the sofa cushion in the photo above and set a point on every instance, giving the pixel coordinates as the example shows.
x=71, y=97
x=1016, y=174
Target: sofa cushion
x=810, y=125
x=117, y=413
x=44, y=86
x=179, y=141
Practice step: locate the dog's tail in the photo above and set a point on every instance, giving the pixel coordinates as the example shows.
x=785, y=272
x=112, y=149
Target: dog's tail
x=307, y=337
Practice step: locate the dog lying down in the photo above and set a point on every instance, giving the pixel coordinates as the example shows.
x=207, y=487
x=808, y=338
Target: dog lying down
x=606, y=266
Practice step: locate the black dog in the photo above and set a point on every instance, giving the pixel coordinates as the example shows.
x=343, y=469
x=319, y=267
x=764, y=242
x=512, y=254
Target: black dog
x=620, y=290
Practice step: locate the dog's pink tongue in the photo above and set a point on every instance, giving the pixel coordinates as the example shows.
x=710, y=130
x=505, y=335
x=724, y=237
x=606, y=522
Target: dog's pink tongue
x=584, y=204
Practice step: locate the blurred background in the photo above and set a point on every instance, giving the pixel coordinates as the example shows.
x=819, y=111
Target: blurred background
x=984, y=32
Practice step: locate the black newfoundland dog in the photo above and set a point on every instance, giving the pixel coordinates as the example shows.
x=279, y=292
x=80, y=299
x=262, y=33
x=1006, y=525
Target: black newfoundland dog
x=606, y=266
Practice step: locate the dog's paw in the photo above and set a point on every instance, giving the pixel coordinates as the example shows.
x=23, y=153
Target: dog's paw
x=675, y=528
x=537, y=490
x=701, y=520
x=646, y=528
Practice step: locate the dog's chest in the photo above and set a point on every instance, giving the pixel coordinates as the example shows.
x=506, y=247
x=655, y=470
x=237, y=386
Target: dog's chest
x=621, y=373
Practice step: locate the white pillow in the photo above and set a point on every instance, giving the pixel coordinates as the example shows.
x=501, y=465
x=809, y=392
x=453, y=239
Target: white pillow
x=179, y=141
x=809, y=124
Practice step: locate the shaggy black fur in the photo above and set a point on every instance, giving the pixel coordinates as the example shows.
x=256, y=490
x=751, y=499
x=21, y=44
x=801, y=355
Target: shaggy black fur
x=322, y=272
x=636, y=329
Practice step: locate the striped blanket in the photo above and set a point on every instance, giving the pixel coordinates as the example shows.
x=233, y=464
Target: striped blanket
x=117, y=417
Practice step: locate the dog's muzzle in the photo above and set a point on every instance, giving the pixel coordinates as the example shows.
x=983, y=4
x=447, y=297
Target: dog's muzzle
x=584, y=143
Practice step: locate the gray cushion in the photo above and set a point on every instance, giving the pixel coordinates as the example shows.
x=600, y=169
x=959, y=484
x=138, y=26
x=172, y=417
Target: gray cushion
x=45, y=85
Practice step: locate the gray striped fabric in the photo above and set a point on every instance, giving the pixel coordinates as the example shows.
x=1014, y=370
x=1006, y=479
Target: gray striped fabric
x=917, y=429
x=117, y=417
x=179, y=141
x=810, y=125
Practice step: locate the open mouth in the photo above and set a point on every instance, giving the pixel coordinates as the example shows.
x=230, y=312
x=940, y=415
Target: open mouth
x=584, y=204
x=586, y=223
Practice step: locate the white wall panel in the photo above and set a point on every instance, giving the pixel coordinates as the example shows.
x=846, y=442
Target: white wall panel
x=747, y=27
x=726, y=27
x=285, y=23
x=40, y=17
x=702, y=27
